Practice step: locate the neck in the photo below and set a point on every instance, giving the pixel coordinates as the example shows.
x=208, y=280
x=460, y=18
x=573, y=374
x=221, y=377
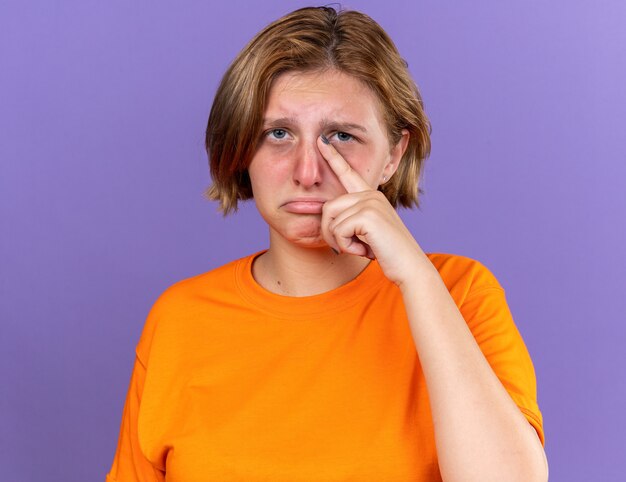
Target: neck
x=292, y=270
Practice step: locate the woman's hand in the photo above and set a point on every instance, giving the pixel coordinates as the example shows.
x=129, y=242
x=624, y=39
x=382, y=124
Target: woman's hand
x=364, y=223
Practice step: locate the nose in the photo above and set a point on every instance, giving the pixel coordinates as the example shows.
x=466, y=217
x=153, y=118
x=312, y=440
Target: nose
x=309, y=165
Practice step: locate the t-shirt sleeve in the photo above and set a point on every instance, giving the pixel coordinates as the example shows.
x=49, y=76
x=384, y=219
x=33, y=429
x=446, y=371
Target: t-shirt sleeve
x=130, y=464
x=489, y=318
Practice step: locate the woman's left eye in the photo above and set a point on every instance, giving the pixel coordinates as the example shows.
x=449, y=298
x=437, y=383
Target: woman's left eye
x=344, y=137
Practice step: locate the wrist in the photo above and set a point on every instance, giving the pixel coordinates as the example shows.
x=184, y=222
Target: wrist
x=420, y=274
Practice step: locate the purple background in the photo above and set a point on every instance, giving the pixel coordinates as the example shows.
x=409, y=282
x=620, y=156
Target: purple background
x=103, y=107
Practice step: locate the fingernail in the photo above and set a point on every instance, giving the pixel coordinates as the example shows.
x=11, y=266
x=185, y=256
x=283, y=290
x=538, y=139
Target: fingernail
x=324, y=140
x=335, y=251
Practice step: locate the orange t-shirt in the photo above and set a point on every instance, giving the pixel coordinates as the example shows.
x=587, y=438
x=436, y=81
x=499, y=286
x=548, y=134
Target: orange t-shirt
x=234, y=383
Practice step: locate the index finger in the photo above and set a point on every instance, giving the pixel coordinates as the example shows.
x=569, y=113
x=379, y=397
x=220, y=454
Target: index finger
x=348, y=177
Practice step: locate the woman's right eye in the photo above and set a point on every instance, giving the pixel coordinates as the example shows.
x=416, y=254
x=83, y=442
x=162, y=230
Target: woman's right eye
x=277, y=133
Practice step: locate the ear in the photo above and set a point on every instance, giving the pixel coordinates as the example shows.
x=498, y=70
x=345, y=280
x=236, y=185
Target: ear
x=396, y=153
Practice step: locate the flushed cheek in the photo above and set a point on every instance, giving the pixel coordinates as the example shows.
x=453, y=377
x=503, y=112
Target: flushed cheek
x=276, y=152
x=364, y=163
x=269, y=171
x=279, y=155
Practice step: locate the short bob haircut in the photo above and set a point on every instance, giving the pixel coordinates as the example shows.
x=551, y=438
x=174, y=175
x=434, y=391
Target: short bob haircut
x=308, y=40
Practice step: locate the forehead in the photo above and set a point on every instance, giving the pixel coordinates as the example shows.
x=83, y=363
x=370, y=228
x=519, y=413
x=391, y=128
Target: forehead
x=329, y=92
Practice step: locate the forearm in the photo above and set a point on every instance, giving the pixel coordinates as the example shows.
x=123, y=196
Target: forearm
x=480, y=433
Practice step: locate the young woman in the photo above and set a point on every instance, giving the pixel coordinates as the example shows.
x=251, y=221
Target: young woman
x=343, y=351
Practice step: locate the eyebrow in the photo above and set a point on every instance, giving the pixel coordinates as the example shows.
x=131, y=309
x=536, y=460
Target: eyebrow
x=324, y=124
x=340, y=126
x=281, y=122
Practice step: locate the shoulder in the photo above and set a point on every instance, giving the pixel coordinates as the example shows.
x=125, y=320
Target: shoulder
x=463, y=275
x=184, y=296
x=199, y=285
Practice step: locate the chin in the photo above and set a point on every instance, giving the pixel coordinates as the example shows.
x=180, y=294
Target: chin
x=311, y=237
x=304, y=232
x=310, y=242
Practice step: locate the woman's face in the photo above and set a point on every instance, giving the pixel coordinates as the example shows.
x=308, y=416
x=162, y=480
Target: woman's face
x=290, y=178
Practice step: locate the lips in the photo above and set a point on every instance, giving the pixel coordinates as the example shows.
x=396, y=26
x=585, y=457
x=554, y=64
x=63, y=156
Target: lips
x=304, y=206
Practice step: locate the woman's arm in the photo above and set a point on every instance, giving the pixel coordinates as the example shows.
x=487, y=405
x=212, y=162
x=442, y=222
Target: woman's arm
x=479, y=431
x=129, y=463
x=480, y=434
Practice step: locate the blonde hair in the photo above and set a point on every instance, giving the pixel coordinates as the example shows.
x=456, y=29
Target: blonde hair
x=306, y=40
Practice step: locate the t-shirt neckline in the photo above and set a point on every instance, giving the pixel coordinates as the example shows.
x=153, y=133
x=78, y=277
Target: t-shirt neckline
x=306, y=307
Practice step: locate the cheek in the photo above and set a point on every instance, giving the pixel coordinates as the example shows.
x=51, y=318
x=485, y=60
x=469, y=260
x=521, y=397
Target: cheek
x=267, y=168
x=366, y=161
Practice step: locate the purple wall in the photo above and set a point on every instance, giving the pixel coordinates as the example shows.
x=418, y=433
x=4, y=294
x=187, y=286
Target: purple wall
x=102, y=111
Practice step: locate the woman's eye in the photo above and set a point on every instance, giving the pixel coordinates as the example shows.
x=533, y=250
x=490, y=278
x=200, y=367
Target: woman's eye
x=277, y=133
x=343, y=137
